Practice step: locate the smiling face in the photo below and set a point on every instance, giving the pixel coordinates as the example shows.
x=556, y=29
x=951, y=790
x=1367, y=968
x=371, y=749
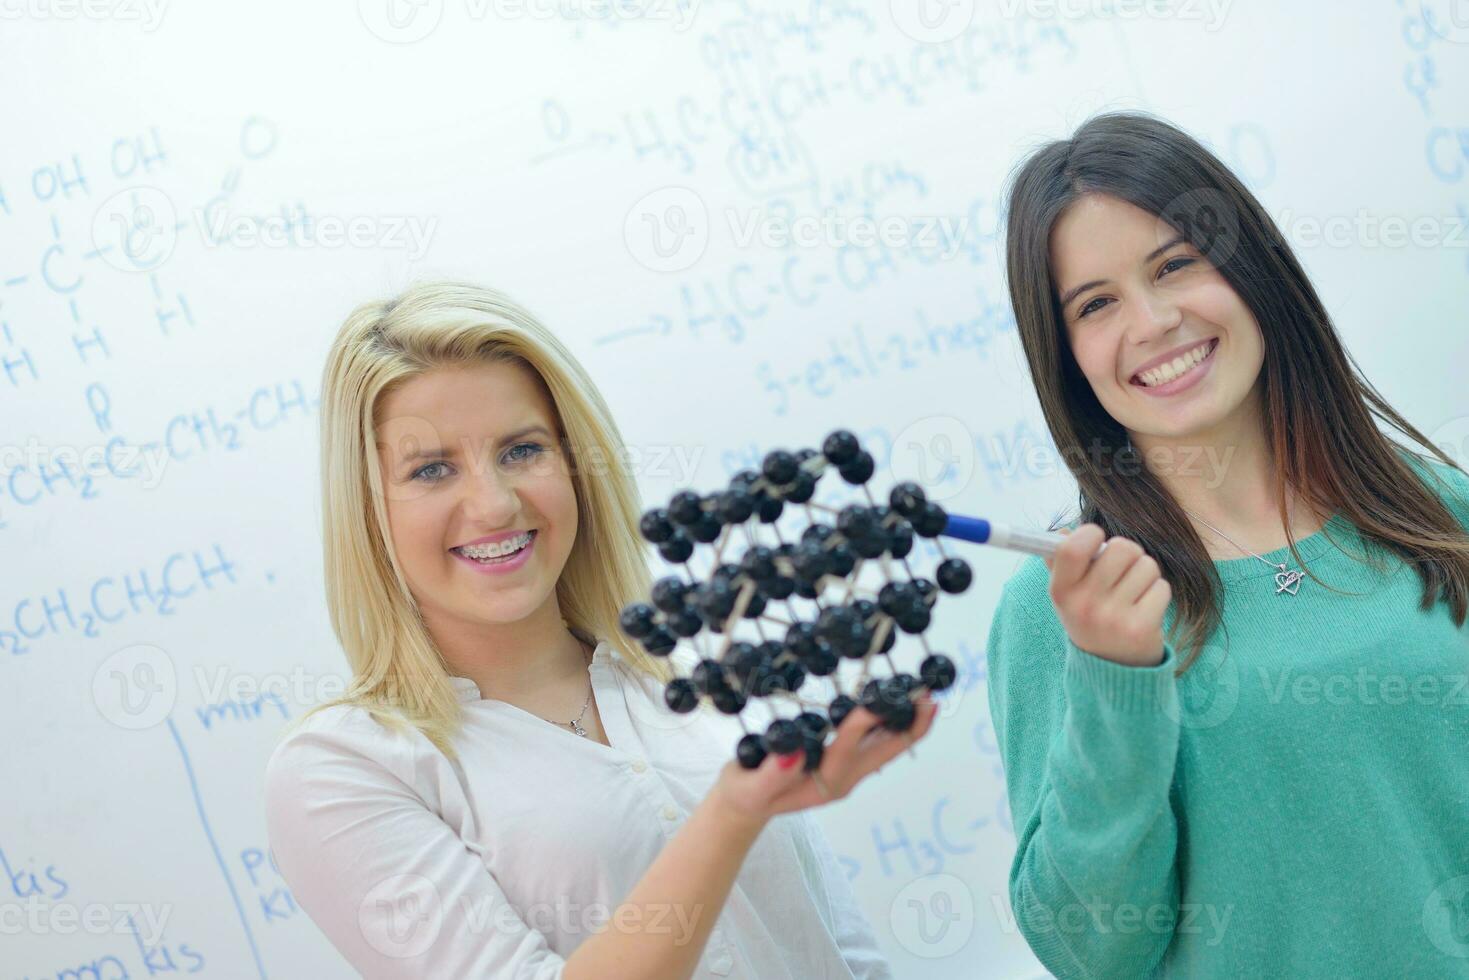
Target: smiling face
x=469, y=453
x=1170, y=349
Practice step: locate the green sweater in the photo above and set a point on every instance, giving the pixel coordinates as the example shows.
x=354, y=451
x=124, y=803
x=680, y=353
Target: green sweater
x=1299, y=808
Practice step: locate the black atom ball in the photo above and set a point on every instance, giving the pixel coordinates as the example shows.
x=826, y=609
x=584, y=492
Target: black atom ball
x=954, y=575
x=783, y=736
x=803, y=489
x=914, y=620
x=938, y=672
x=907, y=498
x=779, y=467
x=859, y=470
x=900, y=718
x=812, y=724
x=840, y=447
x=707, y=529
x=728, y=701
x=685, y=623
x=685, y=508
x=656, y=526
x=841, y=706
x=769, y=509
x=751, y=751
x=931, y=520
x=708, y=676
x=735, y=506
x=676, y=549
x=660, y=642
x=668, y=593
x=680, y=695
x=815, y=748
x=638, y=620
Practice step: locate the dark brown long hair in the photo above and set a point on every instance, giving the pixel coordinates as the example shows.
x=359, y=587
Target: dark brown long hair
x=1317, y=407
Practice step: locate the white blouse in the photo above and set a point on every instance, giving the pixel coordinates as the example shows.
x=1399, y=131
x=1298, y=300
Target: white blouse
x=503, y=864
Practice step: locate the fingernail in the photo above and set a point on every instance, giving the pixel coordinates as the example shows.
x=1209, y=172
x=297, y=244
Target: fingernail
x=786, y=761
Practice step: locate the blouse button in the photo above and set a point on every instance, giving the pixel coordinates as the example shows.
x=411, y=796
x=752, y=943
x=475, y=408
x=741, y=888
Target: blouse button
x=669, y=813
x=722, y=963
x=639, y=766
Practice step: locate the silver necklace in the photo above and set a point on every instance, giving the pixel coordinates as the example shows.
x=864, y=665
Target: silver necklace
x=575, y=723
x=1286, y=581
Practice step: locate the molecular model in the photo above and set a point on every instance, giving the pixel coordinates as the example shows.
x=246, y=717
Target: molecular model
x=777, y=619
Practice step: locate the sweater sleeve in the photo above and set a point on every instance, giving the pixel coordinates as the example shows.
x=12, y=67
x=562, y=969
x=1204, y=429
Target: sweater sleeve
x=1089, y=748
x=391, y=885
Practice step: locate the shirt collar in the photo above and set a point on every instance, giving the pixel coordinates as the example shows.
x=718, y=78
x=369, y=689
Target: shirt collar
x=467, y=690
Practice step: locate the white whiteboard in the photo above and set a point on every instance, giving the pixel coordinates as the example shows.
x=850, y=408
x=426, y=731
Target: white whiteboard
x=172, y=182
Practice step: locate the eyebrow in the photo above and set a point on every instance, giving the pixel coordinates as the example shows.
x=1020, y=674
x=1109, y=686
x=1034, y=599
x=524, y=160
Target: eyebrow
x=437, y=453
x=1071, y=294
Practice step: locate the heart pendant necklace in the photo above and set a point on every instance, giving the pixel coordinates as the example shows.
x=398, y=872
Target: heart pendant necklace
x=1287, y=581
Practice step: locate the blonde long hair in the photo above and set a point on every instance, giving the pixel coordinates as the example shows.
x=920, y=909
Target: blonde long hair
x=398, y=676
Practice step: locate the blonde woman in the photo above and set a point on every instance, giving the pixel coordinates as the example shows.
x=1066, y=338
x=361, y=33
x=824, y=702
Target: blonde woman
x=501, y=792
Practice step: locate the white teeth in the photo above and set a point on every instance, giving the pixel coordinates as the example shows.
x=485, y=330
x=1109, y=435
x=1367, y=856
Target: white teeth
x=1177, y=366
x=496, y=550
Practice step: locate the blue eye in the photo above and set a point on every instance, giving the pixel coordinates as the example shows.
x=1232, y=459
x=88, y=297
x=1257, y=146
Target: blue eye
x=418, y=474
x=1173, y=265
x=1090, y=307
x=534, y=449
